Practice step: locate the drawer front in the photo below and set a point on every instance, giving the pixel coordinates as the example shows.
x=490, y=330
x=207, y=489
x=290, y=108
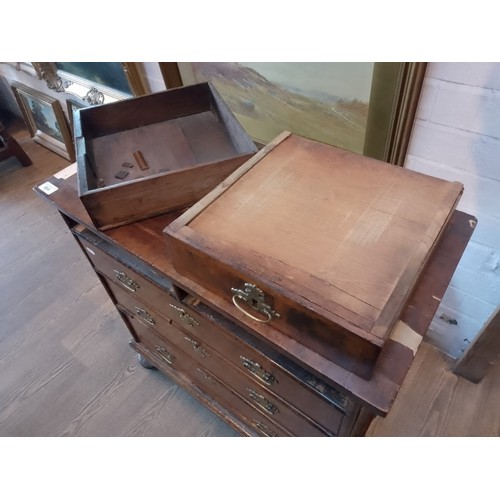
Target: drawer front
x=260, y=398
x=170, y=358
x=313, y=324
x=125, y=277
x=322, y=403
x=312, y=397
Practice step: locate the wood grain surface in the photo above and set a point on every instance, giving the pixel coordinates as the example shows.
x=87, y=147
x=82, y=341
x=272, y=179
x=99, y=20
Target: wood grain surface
x=336, y=242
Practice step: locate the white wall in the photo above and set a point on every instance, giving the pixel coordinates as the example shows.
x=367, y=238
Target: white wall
x=457, y=136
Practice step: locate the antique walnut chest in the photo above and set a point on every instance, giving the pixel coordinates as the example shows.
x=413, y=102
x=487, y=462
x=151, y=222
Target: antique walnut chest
x=322, y=244
x=261, y=379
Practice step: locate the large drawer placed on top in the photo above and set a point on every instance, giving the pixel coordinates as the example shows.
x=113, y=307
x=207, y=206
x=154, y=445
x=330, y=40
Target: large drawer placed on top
x=168, y=357
x=263, y=399
x=125, y=270
x=322, y=244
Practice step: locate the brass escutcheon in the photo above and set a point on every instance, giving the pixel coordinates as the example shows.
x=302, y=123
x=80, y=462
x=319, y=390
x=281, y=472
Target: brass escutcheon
x=254, y=297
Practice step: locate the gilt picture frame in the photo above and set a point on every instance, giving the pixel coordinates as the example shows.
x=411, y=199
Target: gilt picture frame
x=93, y=82
x=45, y=120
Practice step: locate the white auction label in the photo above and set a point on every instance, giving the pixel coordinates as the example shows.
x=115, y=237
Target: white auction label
x=48, y=188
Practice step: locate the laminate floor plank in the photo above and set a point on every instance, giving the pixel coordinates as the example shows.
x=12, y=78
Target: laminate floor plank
x=65, y=365
x=435, y=402
x=66, y=368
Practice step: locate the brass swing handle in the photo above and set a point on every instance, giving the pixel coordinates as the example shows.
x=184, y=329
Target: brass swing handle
x=261, y=401
x=258, y=371
x=197, y=347
x=254, y=298
x=126, y=281
x=184, y=316
x=145, y=315
x=165, y=355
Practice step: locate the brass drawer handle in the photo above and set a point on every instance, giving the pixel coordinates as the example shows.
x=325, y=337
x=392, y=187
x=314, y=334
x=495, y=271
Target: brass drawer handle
x=265, y=404
x=165, y=355
x=145, y=315
x=264, y=429
x=197, y=347
x=254, y=297
x=185, y=317
x=126, y=281
x=258, y=371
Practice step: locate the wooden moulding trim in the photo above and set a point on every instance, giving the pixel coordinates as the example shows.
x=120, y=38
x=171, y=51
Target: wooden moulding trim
x=412, y=80
x=196, y=209
x=171, y=74
x=134, y=78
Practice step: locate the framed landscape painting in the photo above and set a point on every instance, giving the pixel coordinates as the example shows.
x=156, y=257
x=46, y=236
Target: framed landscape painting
x=45, y=120
x=365, y=107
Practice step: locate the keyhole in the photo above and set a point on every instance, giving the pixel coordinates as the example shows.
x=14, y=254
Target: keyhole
x=254, y=303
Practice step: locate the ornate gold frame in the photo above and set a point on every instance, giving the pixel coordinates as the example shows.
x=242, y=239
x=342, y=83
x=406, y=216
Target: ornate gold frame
x=63, y=148
x=89, y=91
x=395, y=93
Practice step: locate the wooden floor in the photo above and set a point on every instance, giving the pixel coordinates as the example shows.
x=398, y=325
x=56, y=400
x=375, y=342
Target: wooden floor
x=66, y=368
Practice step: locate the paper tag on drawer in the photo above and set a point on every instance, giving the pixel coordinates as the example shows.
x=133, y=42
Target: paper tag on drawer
x=48, y=188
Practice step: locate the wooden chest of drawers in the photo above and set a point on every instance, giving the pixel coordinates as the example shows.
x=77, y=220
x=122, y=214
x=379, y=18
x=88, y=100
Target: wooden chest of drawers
x=257, y=379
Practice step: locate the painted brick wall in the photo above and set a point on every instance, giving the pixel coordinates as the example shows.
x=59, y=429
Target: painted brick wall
x=457, y=136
